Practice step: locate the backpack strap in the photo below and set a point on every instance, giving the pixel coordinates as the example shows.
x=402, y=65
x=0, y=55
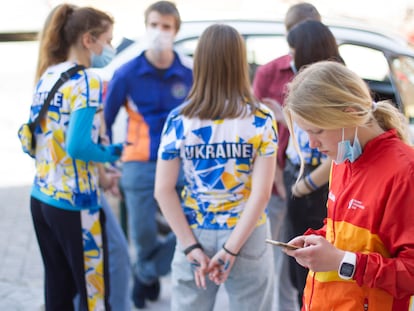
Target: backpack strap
x=65, y=76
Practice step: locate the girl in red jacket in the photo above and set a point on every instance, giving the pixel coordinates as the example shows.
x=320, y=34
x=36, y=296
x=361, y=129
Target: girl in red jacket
x=363, y=257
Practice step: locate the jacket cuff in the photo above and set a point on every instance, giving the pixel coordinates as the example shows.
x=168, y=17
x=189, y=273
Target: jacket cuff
x=361, y=264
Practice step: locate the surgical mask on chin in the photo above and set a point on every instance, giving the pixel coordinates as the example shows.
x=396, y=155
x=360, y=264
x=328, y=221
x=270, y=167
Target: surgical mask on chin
x=107, y=55
x=159, y=40
x=346, y=151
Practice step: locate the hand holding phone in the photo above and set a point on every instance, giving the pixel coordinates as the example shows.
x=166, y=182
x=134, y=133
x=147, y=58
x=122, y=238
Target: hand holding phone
x=282, y=244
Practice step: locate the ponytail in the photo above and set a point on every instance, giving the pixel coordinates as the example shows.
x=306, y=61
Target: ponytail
x=53, y=48
x=388, y=117
x=63, y=27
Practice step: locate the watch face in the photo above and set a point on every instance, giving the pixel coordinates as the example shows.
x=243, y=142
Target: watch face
x=347, y=269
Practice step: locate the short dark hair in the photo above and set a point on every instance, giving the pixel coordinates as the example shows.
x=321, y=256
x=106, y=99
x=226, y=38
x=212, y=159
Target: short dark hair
x=164, y=8
x=313, y=42
x=300, y=12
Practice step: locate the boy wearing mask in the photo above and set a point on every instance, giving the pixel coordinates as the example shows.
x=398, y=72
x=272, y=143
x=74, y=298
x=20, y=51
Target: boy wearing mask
x=149, y=86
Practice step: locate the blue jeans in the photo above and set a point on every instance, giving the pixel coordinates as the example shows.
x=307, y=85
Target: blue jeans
x=119, y=264
x=249, y=286
x=286, y=293
x=153, y=253
x=277, y=216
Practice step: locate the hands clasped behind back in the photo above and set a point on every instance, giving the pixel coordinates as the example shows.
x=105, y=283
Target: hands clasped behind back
x=316, y=253
x=217, y=268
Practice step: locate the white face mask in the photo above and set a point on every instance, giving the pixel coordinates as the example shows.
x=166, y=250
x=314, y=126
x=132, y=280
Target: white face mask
x=159, y=40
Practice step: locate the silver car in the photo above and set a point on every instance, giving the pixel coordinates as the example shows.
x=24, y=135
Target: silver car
x=385, y=62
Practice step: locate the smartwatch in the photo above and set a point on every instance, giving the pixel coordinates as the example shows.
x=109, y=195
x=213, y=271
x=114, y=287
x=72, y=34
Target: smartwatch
x=347, y=266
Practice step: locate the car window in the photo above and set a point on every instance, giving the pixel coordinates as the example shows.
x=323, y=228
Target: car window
x=403, y=72
x=186, y=46
x=372, y=66
x=368, y=63
x=263, y=49
x=260, y=49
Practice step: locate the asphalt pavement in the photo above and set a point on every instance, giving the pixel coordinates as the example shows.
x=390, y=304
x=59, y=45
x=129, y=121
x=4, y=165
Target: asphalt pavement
x=21, y=268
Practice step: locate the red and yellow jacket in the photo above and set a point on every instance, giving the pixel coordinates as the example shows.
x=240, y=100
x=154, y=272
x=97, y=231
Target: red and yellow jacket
x=371, y=213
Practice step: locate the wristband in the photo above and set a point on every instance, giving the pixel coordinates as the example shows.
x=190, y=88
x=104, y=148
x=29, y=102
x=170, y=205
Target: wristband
x=192, y=247
x=307, y=185
x=229, y=252
x=311, y=183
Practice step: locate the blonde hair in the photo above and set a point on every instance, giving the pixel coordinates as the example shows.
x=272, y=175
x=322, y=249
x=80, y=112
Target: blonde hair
x=221, y=87
x=322, y=92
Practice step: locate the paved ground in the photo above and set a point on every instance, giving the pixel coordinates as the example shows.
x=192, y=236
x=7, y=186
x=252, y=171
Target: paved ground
x=21, y=269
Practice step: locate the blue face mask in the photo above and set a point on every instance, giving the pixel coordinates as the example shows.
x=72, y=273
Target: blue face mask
x=346, y=151
x=107, y=55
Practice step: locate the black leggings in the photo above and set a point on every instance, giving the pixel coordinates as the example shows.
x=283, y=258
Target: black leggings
x=59, y=234
x=303, y=213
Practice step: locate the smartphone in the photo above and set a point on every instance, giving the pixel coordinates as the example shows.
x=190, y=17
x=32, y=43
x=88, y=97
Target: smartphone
x=282, y=244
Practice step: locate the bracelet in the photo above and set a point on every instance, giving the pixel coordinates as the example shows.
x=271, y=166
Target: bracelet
x=307, y=185
x=229, y=252
x=192, y=247
x=309, y=181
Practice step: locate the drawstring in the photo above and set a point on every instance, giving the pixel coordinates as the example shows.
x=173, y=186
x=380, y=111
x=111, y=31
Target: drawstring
x=308, y=307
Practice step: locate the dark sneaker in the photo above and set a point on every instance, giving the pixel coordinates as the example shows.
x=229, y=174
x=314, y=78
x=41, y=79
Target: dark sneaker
x=139, y=293
x=153, y=291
